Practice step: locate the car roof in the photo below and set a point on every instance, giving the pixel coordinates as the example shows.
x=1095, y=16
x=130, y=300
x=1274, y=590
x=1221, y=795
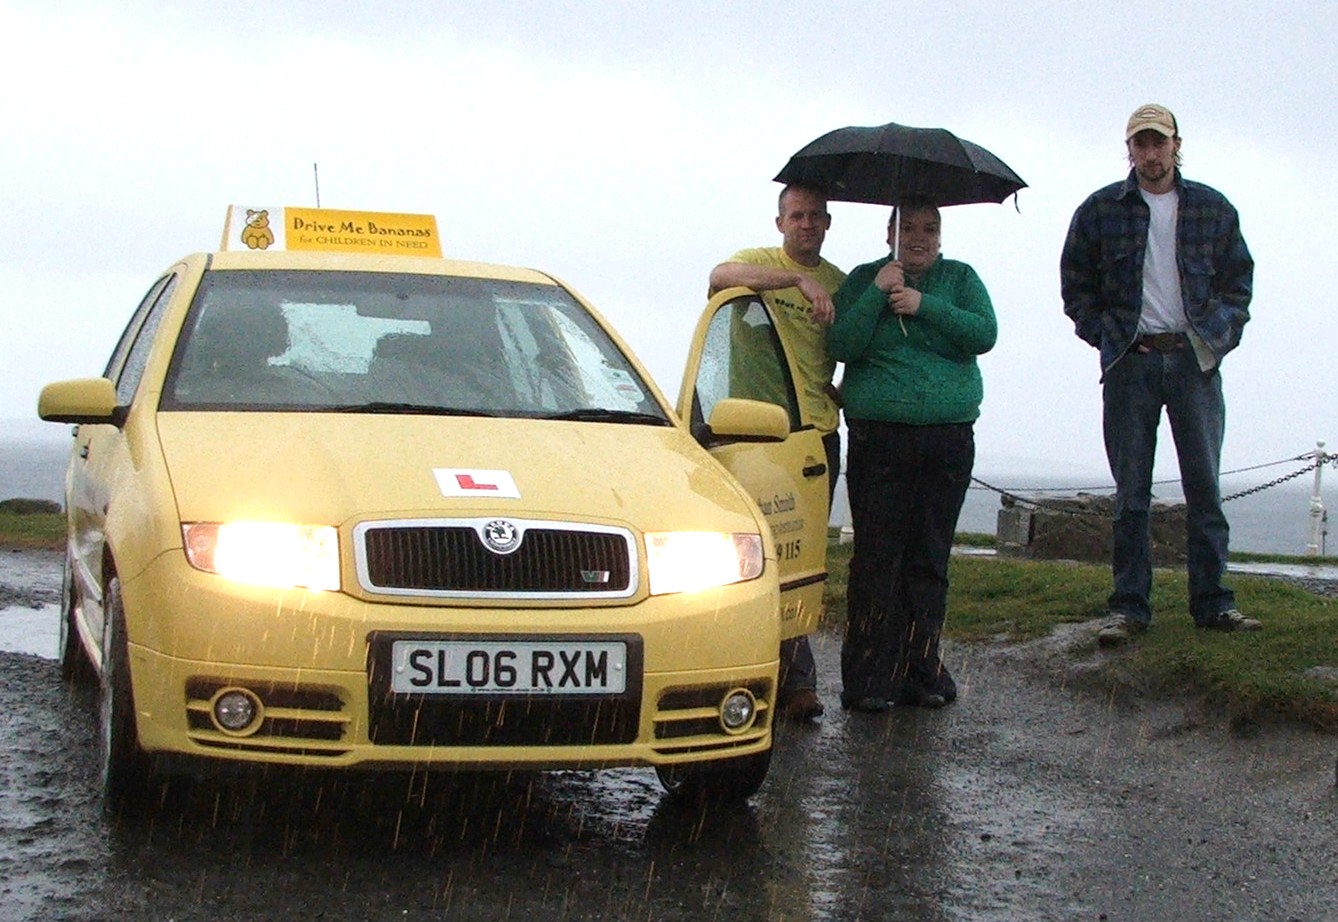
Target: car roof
x=357, y=262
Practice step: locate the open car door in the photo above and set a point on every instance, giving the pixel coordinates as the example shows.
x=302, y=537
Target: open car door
x=736, y=352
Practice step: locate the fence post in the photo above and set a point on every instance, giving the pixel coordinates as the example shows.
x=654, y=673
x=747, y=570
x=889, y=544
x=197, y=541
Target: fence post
x=1316, y=504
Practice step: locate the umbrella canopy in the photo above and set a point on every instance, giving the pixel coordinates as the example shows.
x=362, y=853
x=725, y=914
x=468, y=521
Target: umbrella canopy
x=893, y=164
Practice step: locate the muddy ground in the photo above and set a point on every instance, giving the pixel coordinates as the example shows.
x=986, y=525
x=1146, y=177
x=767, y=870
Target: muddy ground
x=1045, y=793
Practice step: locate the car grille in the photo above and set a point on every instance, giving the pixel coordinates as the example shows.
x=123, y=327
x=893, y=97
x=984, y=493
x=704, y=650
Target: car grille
x=451, y=558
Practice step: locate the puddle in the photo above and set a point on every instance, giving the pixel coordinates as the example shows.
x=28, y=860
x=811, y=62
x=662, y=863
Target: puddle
x=1327, y=573
x=35, y=631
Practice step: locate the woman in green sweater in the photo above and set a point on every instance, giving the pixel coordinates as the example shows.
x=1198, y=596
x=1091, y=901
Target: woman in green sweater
x=908, y=331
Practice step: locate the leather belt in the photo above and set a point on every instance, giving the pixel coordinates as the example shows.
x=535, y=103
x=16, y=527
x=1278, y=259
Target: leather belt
x=1162, y=342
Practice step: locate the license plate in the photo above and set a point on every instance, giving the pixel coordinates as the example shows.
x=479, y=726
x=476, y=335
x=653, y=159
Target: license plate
x=466, y=667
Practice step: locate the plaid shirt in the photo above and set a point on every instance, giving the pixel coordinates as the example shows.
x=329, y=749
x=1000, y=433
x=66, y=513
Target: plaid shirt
x=1101, y=269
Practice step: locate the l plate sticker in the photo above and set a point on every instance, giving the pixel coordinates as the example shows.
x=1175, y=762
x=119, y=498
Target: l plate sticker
x=476, y=483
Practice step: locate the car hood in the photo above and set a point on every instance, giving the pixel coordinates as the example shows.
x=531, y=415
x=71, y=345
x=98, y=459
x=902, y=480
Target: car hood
x=319, y=468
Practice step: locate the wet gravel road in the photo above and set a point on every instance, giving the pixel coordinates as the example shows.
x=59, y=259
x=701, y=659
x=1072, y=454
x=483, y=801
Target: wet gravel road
x=1042, y=794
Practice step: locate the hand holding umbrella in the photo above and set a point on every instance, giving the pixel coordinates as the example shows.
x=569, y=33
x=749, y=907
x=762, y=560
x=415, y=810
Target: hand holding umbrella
x=902, y=299
x=904, y=302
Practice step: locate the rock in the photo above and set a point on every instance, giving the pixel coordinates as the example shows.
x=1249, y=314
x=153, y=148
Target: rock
x=1079, y=528
x=1326, y=674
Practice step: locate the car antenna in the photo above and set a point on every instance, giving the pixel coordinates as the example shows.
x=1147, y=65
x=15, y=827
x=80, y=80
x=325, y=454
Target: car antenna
x=315, y=175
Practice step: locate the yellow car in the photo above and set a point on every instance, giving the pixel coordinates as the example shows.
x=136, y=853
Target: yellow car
x=334, y=508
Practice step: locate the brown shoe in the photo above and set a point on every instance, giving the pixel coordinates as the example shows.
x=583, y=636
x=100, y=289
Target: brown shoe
x=800, y=704
x=1232, y=620
x=1119, y=629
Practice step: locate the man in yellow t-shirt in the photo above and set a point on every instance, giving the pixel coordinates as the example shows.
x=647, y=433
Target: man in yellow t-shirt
x=797, y=285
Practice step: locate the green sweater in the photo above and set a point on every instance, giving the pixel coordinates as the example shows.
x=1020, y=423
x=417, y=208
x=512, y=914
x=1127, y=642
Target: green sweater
x=926, y=374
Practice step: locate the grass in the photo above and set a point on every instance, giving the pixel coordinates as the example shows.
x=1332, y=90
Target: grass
x=1249, y=676
x=31, y=530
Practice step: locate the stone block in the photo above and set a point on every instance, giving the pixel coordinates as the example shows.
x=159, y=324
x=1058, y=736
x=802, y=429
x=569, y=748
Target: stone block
x=1078, y=527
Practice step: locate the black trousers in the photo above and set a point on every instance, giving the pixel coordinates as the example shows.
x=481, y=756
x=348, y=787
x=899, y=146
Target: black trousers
x=906, y=485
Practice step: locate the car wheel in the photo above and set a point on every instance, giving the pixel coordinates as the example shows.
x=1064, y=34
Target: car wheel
x=123, y=764
x=74, y=664
x=725, y=781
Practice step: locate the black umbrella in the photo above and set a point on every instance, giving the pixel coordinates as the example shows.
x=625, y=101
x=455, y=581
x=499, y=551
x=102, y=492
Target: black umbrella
x=896, y=164
x=893, y=164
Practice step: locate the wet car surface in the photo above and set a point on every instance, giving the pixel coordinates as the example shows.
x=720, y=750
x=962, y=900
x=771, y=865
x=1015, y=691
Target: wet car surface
x=1033, y=797
x=332, y=509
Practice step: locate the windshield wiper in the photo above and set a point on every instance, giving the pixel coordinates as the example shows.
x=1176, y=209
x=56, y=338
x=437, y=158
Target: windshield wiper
x=602, y=415
x=387, y=406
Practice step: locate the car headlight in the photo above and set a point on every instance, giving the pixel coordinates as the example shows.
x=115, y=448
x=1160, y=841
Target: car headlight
x=685, y=561
x=265, y=553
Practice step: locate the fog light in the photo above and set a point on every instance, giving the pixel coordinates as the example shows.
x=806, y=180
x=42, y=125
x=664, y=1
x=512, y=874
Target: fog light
x=235, y=710
x=737, y=710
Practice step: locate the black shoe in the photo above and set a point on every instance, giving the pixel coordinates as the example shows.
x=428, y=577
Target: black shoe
x=943, y=685
x=915, y=697
x=868, y=705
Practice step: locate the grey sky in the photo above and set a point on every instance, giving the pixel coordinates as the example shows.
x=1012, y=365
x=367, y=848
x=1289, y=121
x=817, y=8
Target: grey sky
x=628, y=147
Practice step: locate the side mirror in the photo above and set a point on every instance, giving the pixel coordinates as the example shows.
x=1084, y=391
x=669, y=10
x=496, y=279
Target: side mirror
x=80, y=400
x=738, y=420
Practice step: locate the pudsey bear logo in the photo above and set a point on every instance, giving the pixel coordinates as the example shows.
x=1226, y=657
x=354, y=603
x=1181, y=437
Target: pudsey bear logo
x=256, y=234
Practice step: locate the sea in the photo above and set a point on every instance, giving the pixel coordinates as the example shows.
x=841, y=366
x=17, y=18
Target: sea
x=1276, y=520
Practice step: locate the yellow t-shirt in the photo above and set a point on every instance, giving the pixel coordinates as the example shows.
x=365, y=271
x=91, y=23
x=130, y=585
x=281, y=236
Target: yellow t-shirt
x=804, y=338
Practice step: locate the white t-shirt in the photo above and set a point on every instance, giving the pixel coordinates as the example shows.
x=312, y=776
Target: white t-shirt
x=1163, y=309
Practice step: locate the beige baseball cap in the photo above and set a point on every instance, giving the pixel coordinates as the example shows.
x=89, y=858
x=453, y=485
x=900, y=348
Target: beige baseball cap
x=1158, y=118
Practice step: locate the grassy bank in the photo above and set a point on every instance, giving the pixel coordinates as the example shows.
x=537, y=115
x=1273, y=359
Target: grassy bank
x=1249, y=675
x=31, y=529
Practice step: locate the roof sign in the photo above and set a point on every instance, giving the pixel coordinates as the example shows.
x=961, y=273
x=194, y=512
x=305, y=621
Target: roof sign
x=328, y=231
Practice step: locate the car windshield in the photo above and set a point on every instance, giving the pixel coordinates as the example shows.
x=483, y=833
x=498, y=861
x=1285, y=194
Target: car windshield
x=331, y=341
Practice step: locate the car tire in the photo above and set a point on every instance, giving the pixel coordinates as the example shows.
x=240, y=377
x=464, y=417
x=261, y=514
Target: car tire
x=724, y=781
x=124, y=767
x=75, y=666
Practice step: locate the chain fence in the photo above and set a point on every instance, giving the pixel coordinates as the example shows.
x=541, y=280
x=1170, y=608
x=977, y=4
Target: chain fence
x=1014, y=496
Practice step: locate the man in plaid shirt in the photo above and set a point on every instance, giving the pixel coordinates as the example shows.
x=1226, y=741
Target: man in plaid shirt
x=1155, y=275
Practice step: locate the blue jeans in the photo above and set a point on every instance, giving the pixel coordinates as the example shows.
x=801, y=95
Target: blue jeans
x=1135, y=389
x=906, y=484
